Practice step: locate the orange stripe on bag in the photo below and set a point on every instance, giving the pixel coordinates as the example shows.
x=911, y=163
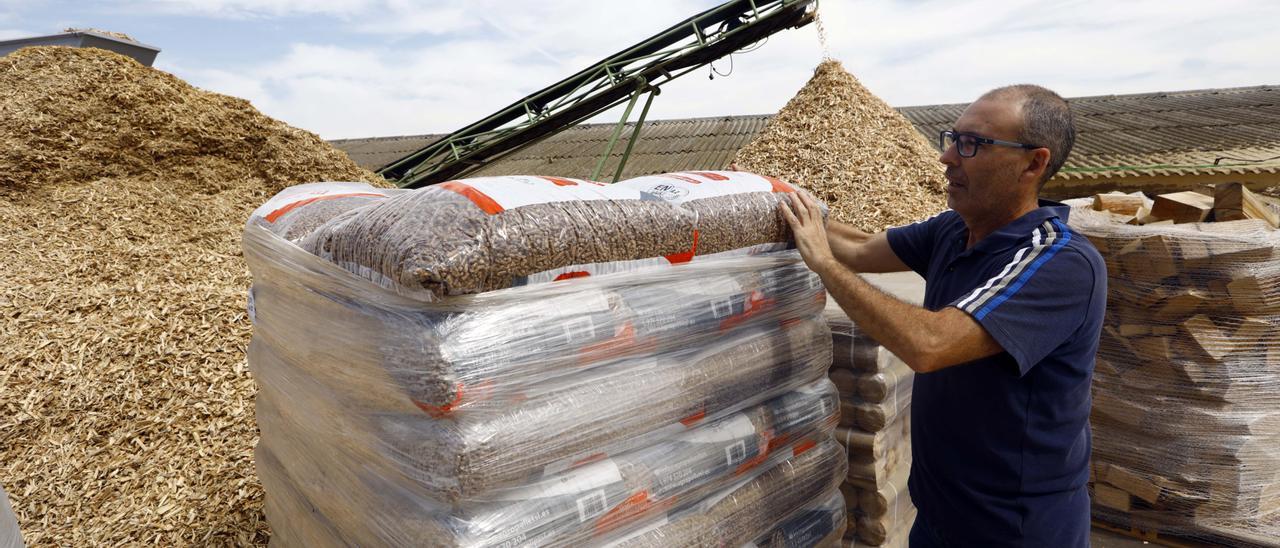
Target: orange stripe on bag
x=677, y=258
x=588, y=460
x=755, y=304
x=778, y=185
x=781, y=440
x=440, y=411
x=559, y=181
x=764, y=448
x=479, y=392
x=681, y=177
x=624, y=339
x=631, y=510
x=693, y=419
x=750, y=463
x=480, y=199
x=802, y=447
x=274, y=215
x=709, y=175
x=572, y=275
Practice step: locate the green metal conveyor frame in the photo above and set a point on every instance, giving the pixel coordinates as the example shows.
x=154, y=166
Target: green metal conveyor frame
x=624, y=76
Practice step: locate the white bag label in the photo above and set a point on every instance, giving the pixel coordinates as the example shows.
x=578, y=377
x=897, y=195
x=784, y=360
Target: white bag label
x=497, y=194
x=685, y=186
x=596, y=475
x=299, y=195
x=729, y=429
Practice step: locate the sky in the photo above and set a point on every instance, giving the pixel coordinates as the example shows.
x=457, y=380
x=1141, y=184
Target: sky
x=366, y=68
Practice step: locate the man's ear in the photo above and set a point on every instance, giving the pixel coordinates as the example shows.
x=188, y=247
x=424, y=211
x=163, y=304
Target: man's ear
x=1039, y=164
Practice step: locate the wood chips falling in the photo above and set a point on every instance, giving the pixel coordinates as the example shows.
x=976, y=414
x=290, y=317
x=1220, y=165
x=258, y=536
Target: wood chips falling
x=127, y=407
x=851, y=150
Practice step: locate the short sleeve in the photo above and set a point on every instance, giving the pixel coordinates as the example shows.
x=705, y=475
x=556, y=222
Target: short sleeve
x=1037, y=302
x=914, y=243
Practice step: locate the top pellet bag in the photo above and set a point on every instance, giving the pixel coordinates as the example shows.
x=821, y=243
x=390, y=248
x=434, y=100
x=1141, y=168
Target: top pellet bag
x=465, y=349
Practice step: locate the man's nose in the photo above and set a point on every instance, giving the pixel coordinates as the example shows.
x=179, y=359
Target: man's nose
x=950, y=156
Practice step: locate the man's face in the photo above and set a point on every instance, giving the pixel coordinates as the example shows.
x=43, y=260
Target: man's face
x=988, y=180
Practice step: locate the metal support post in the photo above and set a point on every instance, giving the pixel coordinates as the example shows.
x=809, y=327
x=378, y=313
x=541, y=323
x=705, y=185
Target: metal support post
x=613, y=139
x=635, y=134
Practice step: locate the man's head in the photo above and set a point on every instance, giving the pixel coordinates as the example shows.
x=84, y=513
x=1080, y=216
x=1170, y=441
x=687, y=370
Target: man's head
x=1002, y=175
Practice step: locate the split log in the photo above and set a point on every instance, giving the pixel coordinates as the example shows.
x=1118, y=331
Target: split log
x=1122, y=204
x=1143, y=486
x=1232, y=202
x=1111, y=497
x=1255, y=294
x=1182, y=304
x=1182, y=207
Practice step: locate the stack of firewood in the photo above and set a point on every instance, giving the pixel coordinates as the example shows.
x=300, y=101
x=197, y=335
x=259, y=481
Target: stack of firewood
x=1186, y=402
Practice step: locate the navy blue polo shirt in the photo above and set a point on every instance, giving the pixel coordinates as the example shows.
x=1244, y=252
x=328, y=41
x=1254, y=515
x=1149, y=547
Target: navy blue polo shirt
x=1001, y=445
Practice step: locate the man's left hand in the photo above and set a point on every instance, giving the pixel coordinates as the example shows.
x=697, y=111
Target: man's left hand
x=810, y=231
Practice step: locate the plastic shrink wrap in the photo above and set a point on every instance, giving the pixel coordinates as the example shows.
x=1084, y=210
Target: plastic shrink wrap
x=819, y=524
x=534, y=413
x=751, y=508
x=875, y=429
x=10, y=535
x=1186, y=388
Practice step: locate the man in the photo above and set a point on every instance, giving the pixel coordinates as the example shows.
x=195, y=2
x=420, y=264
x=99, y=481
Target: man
x=1004, y=345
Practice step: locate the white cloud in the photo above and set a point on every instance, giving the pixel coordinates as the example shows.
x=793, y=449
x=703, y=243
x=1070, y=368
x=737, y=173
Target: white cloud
x=261, y=8
x=13, y=34
x=465, y=60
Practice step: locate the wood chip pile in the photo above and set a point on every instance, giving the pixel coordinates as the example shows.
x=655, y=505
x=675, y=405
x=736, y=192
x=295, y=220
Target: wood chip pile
x=853, y=151
x=127, y=406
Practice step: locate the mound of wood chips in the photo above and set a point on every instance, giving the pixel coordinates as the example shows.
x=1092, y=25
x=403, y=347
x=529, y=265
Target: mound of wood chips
x=853, y=151
x=127, y=408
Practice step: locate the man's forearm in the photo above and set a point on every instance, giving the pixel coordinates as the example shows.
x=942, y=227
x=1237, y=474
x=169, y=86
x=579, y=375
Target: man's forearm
x=909, y=331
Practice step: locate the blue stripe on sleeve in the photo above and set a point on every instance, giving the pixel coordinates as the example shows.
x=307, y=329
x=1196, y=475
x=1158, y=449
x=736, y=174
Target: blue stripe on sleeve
x=1026, y=275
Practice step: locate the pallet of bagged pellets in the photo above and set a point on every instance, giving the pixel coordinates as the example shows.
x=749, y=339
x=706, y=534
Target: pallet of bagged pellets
x=753, y=509
x=1186, y=404
x=454, y=366
x=875, y=429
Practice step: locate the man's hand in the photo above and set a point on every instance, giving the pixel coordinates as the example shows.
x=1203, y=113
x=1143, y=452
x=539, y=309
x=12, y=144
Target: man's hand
x=810, y=231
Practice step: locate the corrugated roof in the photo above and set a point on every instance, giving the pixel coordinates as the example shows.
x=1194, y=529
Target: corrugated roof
x=1146, y=134
x=1152, y=134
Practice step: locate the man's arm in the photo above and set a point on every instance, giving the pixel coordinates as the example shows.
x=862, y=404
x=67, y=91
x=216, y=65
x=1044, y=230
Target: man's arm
x=861, y=251
x=926, y=340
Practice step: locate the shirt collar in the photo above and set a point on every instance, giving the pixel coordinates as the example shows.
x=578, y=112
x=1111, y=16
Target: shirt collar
x=1019, y=230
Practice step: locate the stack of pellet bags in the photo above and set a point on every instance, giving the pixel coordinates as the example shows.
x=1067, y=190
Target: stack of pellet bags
x=541, y=361
x=875, y=427
x=1186, y=389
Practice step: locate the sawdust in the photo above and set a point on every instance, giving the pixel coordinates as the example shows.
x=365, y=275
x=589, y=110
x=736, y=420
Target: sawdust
x=853, y=151
x=127, y=406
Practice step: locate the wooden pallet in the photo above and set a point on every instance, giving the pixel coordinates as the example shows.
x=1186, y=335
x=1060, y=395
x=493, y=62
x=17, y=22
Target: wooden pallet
x=1206, y=537
x=1154, y=537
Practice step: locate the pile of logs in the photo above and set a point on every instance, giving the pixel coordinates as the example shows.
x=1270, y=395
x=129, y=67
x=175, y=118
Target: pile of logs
x=1222, y=202
x=875, y=428
x=1186, y=389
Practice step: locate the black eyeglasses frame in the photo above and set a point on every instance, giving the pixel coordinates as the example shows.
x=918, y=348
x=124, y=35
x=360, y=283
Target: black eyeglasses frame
x=978, y=141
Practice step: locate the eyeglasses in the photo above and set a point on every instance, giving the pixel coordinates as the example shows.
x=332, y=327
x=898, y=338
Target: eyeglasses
x=967, y=143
